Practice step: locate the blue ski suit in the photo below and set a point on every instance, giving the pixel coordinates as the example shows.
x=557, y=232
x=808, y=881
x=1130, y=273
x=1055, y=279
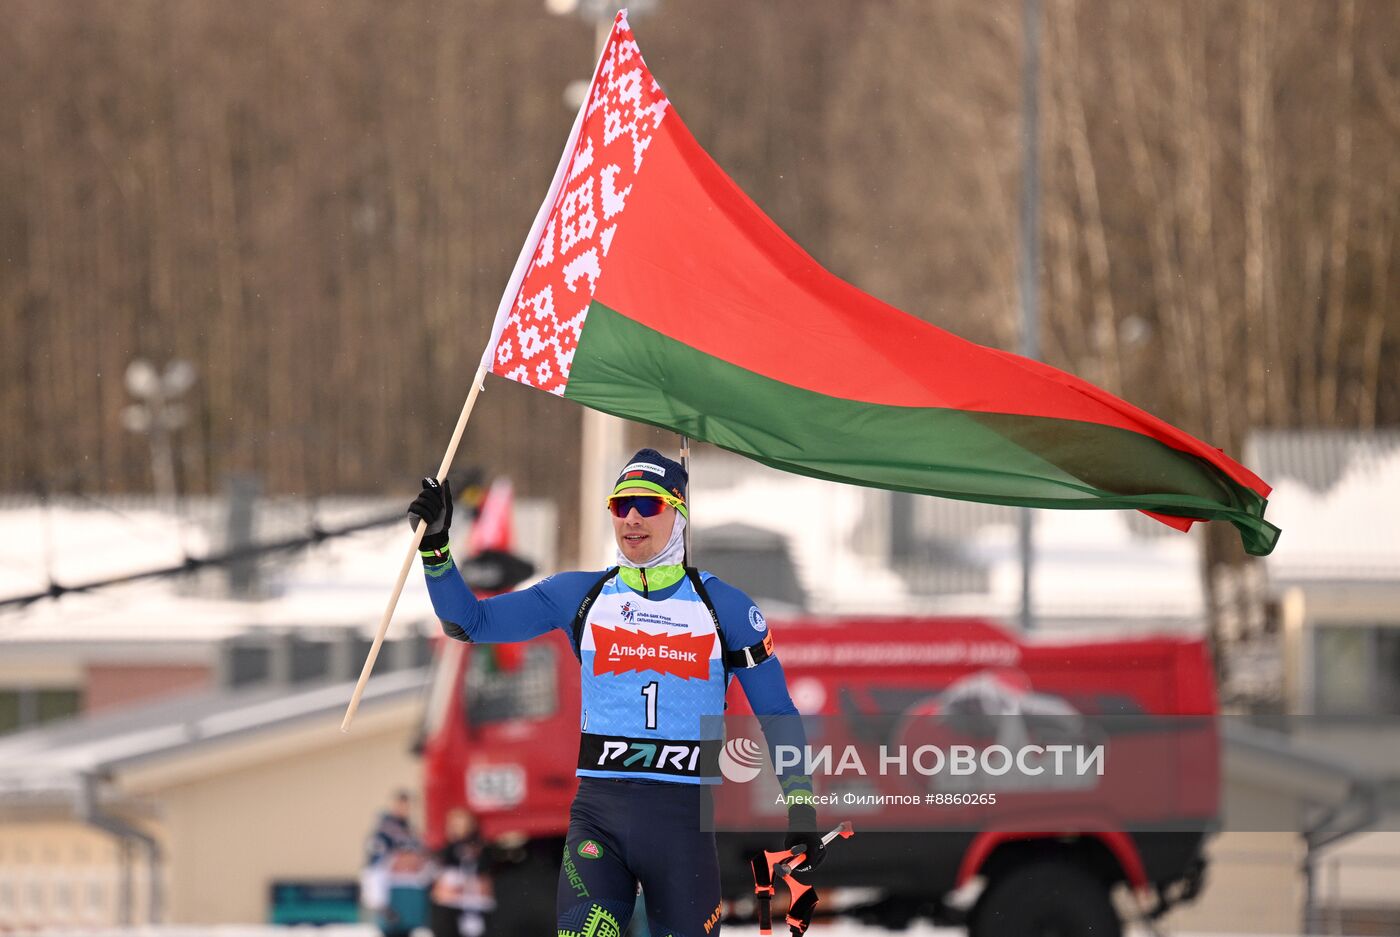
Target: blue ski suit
x=654, y=660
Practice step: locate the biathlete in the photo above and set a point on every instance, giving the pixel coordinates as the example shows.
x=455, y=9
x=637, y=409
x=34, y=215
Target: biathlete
x=657, y=643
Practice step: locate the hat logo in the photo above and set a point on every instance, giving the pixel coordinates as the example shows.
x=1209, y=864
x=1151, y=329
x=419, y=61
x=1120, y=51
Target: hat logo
x=643, y=467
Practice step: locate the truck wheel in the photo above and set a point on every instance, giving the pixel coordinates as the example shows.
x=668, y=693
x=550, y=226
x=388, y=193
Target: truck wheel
x=1046, y=899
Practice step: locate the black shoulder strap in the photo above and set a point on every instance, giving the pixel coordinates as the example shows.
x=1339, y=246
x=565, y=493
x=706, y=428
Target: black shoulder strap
x=693, y=575
x=741, y=658
x=581, y=616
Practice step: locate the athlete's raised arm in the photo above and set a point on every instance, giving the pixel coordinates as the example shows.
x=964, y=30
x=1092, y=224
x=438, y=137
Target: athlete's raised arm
x=514, y=616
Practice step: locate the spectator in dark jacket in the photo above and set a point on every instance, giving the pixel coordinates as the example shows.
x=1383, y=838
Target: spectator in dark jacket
x=462, y=895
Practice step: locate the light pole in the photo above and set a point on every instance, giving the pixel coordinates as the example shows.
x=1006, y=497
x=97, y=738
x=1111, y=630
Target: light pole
x=1030, y=258
x=158, y=413
x=601, y=446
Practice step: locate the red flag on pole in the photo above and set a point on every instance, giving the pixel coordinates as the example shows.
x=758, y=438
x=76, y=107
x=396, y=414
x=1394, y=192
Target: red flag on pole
x=652, y=288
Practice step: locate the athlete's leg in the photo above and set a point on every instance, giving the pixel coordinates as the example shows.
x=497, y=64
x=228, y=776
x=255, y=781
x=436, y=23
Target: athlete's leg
x=596, y=891
x=682, y=895
x=679, y=865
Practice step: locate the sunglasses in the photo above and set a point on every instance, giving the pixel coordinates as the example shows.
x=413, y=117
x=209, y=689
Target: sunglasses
x=646, y=505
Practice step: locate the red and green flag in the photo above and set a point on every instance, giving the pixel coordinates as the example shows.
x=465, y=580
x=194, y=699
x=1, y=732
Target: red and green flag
x=653, y=289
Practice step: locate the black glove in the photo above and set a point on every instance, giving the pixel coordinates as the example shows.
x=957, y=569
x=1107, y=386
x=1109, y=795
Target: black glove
x=433, y=507
x=802, y=831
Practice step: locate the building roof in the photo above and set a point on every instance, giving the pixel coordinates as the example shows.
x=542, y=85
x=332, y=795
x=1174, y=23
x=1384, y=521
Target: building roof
x=340, y=582
x=1317, y=459
x=1345, y=782
x=52, y=761
x=1337, y=497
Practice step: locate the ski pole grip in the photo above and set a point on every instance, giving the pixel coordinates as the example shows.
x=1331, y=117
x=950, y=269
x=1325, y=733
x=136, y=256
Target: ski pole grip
x=844, y=830
x=784, y=868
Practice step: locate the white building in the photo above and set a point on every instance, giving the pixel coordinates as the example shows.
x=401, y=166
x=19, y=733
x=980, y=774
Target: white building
x=866, y=550
x=1335, y=574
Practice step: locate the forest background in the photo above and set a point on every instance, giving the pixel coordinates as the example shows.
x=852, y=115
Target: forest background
x=319, y=203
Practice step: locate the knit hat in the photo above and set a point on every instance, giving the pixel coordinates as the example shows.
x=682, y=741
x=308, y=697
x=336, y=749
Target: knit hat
x=651, y=470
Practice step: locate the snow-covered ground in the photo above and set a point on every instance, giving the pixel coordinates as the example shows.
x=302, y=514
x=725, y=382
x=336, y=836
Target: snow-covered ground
x=836, y=928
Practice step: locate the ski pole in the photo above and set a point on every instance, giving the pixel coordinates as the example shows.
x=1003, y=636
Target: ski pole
x=767, y=864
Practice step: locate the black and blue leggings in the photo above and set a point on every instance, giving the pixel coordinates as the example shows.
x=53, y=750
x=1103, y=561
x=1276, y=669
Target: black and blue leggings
x=625, y=833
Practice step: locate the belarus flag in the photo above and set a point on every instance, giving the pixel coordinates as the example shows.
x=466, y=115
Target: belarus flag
x=652, y=288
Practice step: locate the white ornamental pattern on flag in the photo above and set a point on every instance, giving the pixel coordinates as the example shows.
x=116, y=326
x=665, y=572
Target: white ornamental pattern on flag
x=624, y=109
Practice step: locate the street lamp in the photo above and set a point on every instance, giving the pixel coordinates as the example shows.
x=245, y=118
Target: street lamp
x=157, y=413
x=1030, y=262
x=599, y=11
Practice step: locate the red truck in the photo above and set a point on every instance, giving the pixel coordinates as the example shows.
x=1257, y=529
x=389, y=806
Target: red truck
x=501, y=736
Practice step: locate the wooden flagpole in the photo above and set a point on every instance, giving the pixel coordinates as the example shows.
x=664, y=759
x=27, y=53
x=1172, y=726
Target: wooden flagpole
x=418, y=532
x=508, y=298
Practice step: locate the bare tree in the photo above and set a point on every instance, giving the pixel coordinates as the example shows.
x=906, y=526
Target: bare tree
x=319, y=204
